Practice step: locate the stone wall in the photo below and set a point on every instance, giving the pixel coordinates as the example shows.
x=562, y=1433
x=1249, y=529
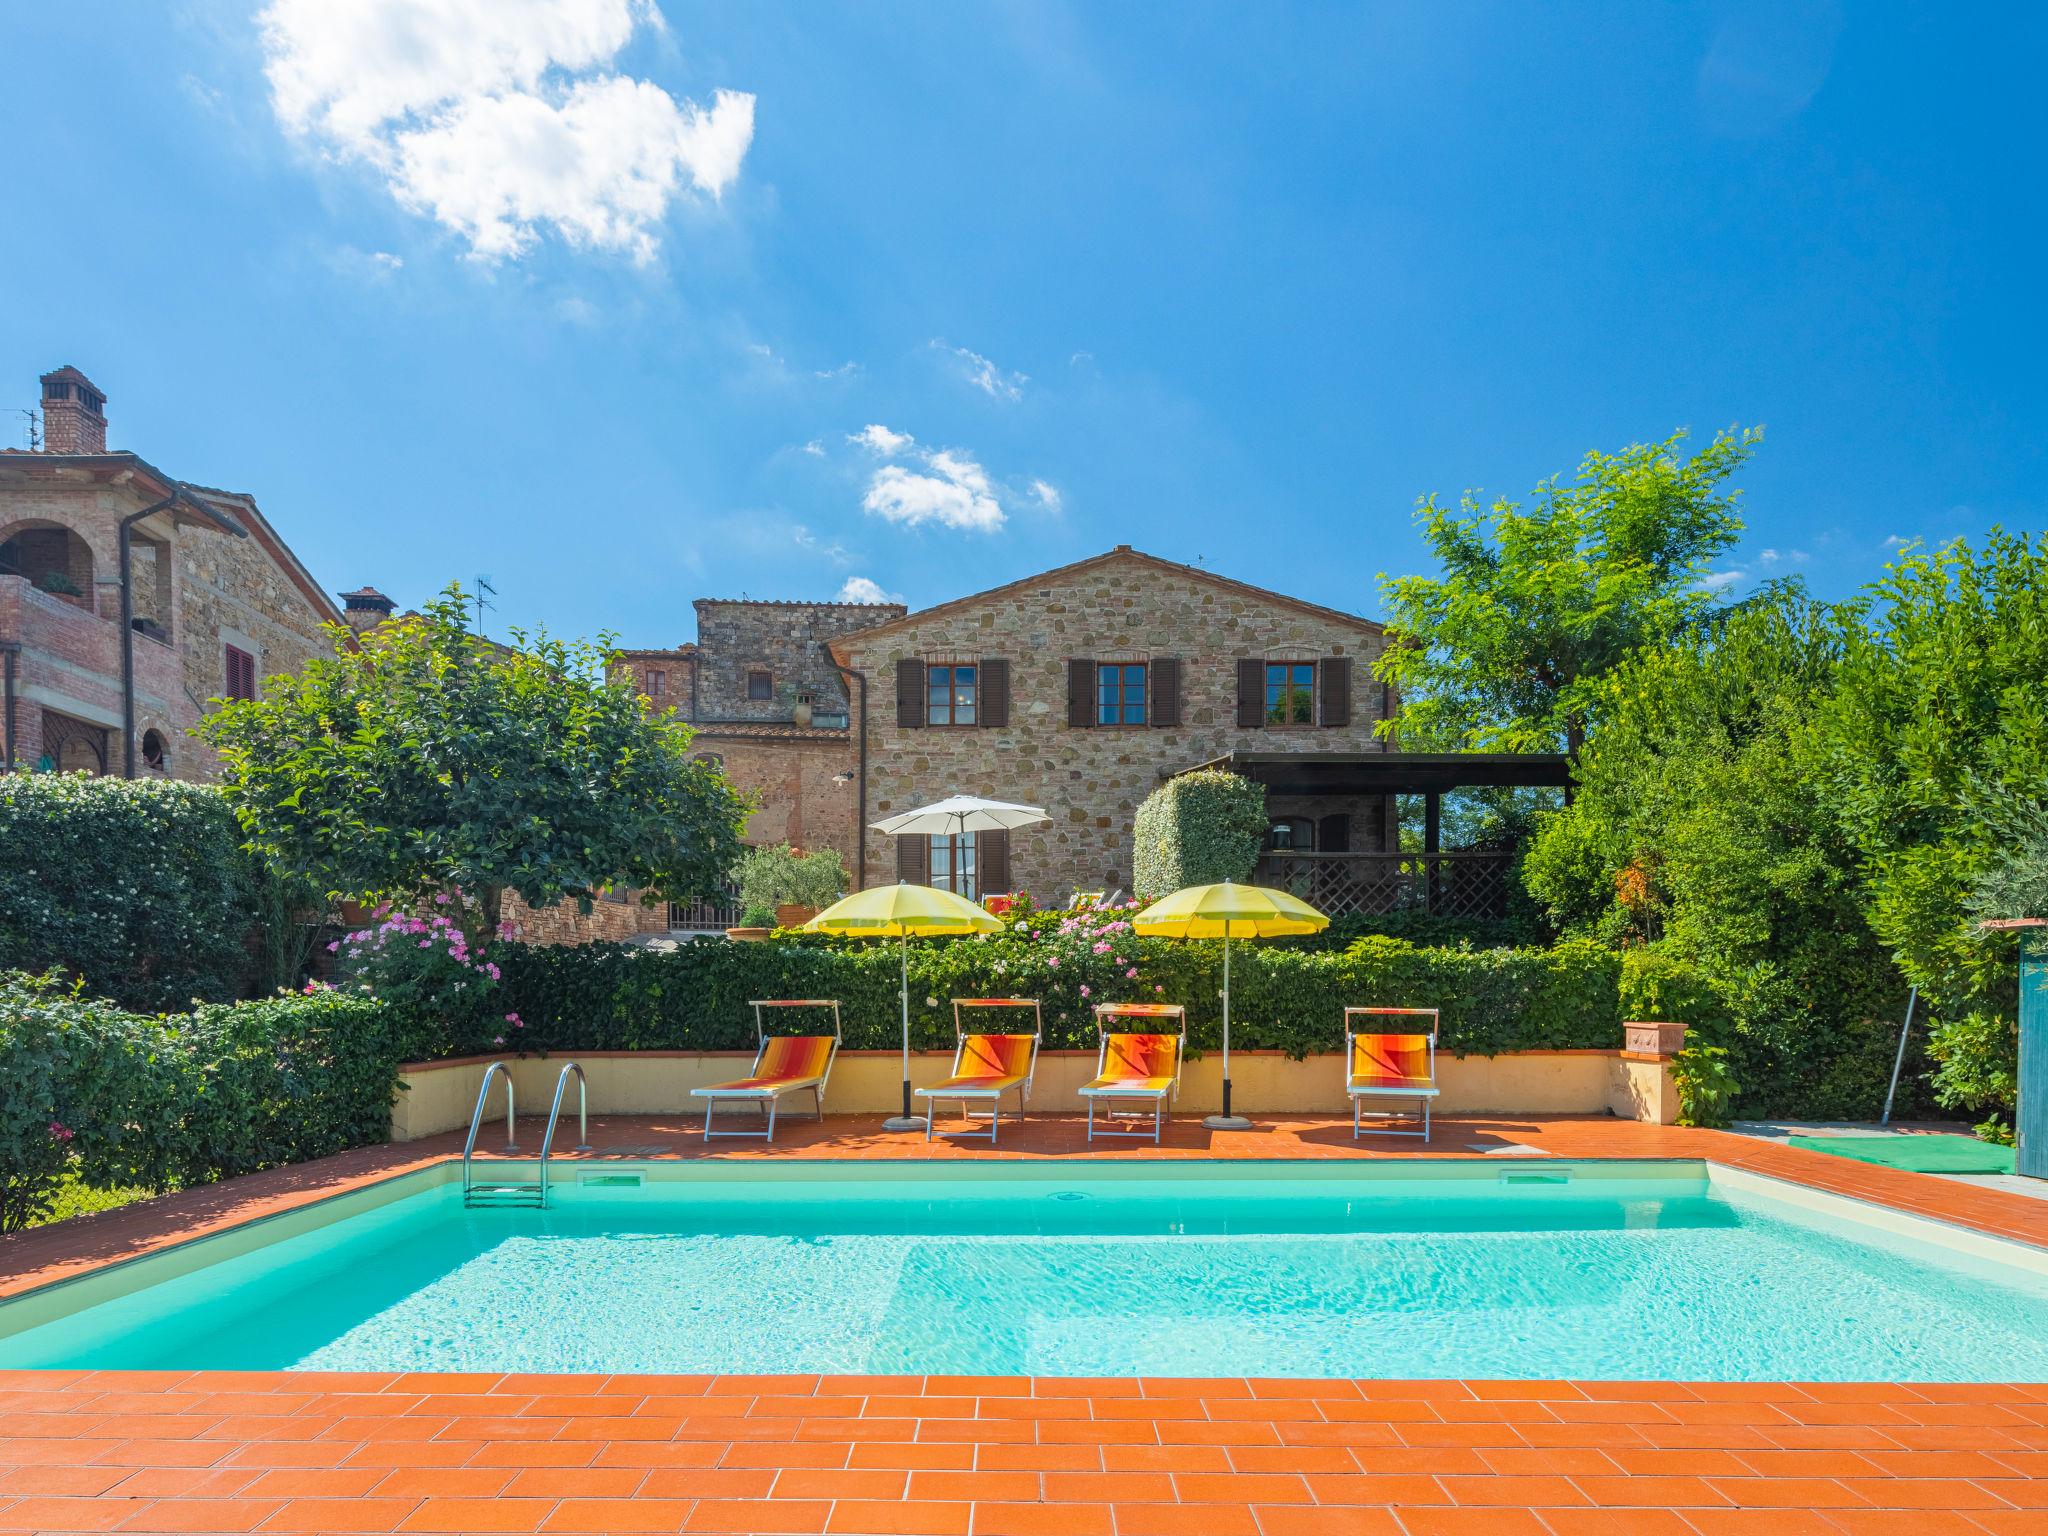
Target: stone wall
x=790, y=773
x=787, y=641
x=1120, y=607
x=563, y=924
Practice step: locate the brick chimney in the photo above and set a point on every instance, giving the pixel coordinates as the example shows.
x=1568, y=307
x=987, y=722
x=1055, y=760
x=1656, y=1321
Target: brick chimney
x=365, y=608
x=74, y=414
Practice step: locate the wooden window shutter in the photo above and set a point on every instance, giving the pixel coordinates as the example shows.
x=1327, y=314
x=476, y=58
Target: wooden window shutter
x=913, y=859
x=910, y=696
x=1251, y=694
x=1333, y=834
x=1162, y=690
x=993, y=707
x=1080, y=694
x=992, y=863
x=1335, y=676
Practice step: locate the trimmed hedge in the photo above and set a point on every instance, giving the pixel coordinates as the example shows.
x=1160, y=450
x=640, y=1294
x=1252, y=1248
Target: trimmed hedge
x=1196, y=829
x=139, y=886
x=621, y=997
x=159, y=1102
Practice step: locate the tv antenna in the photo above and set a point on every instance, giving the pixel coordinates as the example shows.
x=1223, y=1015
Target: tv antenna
x=484, y=593
x=35, y=428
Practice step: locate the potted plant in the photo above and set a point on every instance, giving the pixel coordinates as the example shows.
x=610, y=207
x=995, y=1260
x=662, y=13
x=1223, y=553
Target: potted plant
x=788, y=883
x=756, y=923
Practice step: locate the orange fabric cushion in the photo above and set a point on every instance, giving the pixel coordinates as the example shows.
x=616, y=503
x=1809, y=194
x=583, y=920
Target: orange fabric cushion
x=1390, y=1061
x=991, y=1063
x=1139, y=1062
x=787, y=1059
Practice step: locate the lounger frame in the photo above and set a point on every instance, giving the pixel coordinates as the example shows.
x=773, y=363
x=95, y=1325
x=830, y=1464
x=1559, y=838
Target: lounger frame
x=768, y=1099
x=993, y=1097
x=1424, y=1095
x=1157, y=1098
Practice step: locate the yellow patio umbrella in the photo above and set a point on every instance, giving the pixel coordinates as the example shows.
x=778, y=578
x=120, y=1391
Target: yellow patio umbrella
x=1228, y=911
x=903, y=912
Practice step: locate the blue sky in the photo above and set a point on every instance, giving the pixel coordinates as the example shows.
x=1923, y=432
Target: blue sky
x=603, y=299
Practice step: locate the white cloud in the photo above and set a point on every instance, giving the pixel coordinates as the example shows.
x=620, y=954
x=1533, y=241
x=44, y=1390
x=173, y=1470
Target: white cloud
x=862, y=589
x=845, y=370
x=879, y=438
x=815, y=448
x=1048, y=495
x=836, y=552
x=983, y=374
x=958, y=495
x=1896, y=541
x=1719, y=581
x=365, y=266
x=501, y=118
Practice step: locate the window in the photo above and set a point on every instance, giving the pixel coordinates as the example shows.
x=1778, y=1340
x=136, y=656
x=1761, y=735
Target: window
x=241, y=674
x=1290, y=692
x=950, y=692
x=952, y=864
x=760, y=685
x=1291, y=834
x=1120, y=693
x=657, y=682
x=153, y=751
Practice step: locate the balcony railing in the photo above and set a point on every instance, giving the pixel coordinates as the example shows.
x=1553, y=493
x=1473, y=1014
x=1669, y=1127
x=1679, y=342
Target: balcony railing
x=712, y=915
x=1441, y=884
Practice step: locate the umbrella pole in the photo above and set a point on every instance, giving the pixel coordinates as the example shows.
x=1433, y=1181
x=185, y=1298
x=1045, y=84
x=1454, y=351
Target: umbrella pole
x=1226, y=1121
x=906, y=1121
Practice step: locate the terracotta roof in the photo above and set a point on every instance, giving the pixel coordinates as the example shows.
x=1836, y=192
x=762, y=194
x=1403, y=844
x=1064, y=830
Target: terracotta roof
x=1123, y=553
x=767, y=730
x=787, y=602
x=687, y=649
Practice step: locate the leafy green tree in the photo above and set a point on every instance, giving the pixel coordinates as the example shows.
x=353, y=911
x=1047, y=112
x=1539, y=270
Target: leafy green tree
x=423, y=760
x=1936, y=730
x=1704, y=826
x=1506, y=650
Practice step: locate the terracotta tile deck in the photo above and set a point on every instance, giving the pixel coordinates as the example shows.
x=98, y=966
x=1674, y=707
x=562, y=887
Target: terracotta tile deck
x=278, y=1451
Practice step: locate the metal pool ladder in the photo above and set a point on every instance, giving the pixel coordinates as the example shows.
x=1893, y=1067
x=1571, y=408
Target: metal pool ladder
x=528, y=1193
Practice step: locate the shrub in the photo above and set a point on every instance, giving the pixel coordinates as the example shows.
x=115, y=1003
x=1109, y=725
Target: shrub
x=1706, y=1085
x=117, y=1098
x=773, y=877
x=138, y=886
x=1195, y=829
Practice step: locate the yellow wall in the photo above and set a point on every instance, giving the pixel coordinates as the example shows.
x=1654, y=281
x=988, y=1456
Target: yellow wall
x=439, y=1096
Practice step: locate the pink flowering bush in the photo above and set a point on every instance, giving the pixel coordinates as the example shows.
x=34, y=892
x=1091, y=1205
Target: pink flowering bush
x=422, y=962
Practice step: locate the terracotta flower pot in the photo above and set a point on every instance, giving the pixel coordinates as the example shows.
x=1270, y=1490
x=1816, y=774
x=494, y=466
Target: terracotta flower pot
x=793, y=915
x=747, y=935
x=1654, y=1039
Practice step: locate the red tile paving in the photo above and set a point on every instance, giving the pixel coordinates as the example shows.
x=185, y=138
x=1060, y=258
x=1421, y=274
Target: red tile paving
x=984, y=1456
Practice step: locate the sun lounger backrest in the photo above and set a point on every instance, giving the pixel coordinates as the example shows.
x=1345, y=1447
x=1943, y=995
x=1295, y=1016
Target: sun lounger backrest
x=996, y=1056
x=1391, y=1058
x=1141, y=1056
x=795, y=1056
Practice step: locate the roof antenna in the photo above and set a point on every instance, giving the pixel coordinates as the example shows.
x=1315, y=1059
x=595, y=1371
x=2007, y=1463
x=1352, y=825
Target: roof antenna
x=35, y=429
x=484, y=592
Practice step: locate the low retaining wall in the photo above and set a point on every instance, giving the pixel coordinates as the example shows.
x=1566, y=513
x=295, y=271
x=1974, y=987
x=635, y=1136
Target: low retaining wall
x=440, y=1095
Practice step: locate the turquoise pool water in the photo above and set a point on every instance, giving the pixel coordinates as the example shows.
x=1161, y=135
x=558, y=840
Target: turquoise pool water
x=1231, y=1271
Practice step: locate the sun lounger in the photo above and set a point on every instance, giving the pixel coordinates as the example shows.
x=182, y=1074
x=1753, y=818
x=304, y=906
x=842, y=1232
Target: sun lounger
x=1389, y=1067
x=782, y=1064
x=1141, y=1068
x=987, y=1066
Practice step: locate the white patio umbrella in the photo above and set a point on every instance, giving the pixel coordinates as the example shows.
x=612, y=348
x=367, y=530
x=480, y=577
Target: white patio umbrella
x=958, y=814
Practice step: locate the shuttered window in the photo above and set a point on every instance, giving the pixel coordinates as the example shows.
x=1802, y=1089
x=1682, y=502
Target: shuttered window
x=951, y=693
x=1290, y=693
x=1251, y=694
x=760, y=685
x=992, y=854
x=1080, y=693
x=241, y=674
x=910, y=693
x=1336, y=690
x=993, y=708
x=1164, y=703
x=1120, y=693
x=911, y=861
x=951, y=864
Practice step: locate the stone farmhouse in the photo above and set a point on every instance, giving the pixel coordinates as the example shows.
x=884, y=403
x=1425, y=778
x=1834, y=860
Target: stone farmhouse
x=130, y=598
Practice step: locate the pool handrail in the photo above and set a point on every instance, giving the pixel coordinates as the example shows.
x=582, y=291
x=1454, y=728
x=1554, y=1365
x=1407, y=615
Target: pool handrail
x=547, y=1140
x=476, y=1119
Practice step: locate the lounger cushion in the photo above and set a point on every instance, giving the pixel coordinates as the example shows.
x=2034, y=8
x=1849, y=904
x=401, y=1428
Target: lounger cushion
x=1137, y=1064
x=989, y=1064
x=1390, y=1064
x=789, y=1061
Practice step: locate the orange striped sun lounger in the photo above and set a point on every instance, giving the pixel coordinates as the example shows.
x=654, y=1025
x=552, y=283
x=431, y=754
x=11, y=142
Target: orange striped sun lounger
x=1136, y=1067
x=782, y=1064
x=987, y=1066
x=1386, y=1066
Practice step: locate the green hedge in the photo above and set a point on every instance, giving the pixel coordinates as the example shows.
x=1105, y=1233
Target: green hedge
x=121, y=1098
x=620, y=997
x=138, y=886
x=1196, y=829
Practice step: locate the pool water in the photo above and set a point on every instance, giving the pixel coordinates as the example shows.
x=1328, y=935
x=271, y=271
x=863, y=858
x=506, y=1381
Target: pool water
x=1582, y=1272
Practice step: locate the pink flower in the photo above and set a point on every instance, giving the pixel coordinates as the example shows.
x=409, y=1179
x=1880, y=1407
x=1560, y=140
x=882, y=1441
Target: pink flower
x=497, y=1039
x=511, y=1018
x=426, y=943
x=59, y=1131
x=334, y=948
x=1084, y=989
x=1159, y=989
x=1131, y=974
x=1053, y=961
x=440, y=898
x=1102, y=948
x=492, y=969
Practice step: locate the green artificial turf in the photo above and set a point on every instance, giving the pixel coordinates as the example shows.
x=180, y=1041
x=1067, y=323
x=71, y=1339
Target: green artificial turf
x=1916, y=1154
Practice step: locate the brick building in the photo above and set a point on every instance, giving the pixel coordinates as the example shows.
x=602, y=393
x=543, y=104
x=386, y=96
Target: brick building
x=213, y=599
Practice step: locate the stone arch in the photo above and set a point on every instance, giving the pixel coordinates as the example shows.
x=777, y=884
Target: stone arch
x=52, y=557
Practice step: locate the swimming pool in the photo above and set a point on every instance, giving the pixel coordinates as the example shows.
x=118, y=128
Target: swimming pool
x=1610, y=1270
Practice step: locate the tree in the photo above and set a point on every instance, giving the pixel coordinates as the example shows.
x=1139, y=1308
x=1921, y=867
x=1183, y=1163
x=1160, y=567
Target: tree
x=1506, y=649
x=424, y=759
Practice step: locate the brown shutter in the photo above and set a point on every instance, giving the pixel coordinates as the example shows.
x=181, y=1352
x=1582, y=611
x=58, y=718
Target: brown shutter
x=992, y=863
x=913, y=859
x=1335, y=676
x=992, y=708
x=1162, y=691
x=910, y=693
x=1334, y=834
x=1080, y=694
x=1251, y=694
